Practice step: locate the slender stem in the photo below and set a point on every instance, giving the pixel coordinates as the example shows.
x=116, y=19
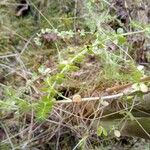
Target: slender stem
x=94, y=98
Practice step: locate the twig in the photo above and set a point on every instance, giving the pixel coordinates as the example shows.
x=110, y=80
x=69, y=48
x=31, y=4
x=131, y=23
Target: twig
x=109, y=97
x=142, y=127
x=26, y=44
x=12, y=146
x=9, y=55
x=122, y=87
x=93, y=98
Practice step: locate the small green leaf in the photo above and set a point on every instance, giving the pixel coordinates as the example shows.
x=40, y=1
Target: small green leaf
x=24, y=106
x=79, y=59
x=34, y=75
x=44, y=107
x=105, y=132
x=130, y=97
x=121, y=39
x=41, y=69
x=99, y=130
x=72, y=68
x=82, y=32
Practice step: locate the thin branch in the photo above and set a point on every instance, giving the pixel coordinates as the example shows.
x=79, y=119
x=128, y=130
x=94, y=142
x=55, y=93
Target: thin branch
x=9, y=55
x=122, y=87
x=110, y=97
x=12, y=145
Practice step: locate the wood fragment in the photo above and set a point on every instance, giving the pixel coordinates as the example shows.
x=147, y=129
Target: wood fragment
x=122, y=87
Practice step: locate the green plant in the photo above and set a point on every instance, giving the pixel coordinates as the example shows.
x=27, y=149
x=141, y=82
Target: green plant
x=67, y=46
